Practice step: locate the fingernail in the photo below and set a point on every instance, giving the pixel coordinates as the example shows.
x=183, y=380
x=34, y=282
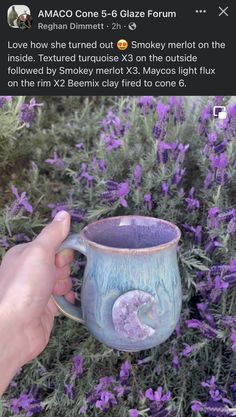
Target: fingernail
x=61, y=216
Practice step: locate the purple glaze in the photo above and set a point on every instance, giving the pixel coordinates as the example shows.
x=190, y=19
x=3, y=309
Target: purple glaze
x=131, y=232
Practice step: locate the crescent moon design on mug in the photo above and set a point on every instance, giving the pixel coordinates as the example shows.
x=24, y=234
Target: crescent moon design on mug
x=126, y=316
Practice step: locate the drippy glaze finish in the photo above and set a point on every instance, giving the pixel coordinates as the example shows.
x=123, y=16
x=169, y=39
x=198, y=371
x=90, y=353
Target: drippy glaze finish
x=131, y=293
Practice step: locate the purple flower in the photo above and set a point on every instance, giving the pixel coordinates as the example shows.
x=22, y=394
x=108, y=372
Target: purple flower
x=164, y=189
x=233, y=340
x=197, y=406
x=133, y=412
x=69, y=391
x=220, y=161
x=212, y=218
x=4, y=242
x=21, y=202
x=79, y=146
x=182, y=149
x=85, y=175
x=206, y=330
x=175, y=362
x=162, y=110
x=77, y=368
x=205, y=313
x=162, y=151
x=158, y=131
x=116, y=191
x=124, y=371
x=178, y=176
x=107, y=400
x=204, y=118
x=83, y=409
x=157, y=395
x=231, y=228
x=176, y=108
x=191, y=202
x=26, y=402
x=27, y=112
x=102, y=165
x=56, y=161
x=111, y=143
x=148, y=201
x=208, y=180
x=187, y=350
x=4, y=100
x=146, y=103
x=211, y=245
x=137, y=175
x=112, y=124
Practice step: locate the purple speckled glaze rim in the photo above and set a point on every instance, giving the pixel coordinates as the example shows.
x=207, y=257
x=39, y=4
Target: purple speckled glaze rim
x=147, y=250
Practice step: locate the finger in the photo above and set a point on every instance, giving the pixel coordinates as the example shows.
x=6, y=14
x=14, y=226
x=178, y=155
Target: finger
x=63, y=272
x=63, y=286
x=54, y=233
x=70, y=296
x=64, y=257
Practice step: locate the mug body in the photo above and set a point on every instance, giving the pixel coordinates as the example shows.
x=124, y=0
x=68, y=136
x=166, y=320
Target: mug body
x=131, y=293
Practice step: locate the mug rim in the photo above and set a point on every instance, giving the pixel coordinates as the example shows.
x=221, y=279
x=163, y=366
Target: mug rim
x=155, y=248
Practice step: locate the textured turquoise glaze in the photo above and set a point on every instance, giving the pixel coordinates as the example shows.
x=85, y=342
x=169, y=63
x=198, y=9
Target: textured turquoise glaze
x=131, y=292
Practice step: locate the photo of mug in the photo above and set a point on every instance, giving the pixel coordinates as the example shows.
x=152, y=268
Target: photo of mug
x=131, y=292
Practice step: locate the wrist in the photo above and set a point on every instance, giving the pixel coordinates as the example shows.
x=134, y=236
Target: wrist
x=9, y=352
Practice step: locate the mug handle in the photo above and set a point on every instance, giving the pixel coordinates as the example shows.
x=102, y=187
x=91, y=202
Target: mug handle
x=73, y=241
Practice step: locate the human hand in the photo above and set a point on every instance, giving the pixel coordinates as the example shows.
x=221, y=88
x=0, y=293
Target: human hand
x=29, y=274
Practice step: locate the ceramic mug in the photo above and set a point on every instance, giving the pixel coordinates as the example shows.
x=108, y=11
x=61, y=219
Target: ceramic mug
x=131, y=291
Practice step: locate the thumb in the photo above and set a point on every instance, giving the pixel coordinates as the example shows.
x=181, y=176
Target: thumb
x=55, y=232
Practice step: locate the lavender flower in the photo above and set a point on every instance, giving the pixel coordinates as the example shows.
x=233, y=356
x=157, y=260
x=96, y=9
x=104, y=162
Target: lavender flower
x=158, y=131
x=206, y=330
x=27, y=403
x=107, y=400
x=4, y=242
x=148, y=201
x=137, y=175
x=20, y=203
x=4, y=100
x=164, y=189
x=187, y=350
x=69, y=391
x=212, y=218
x=204, y=119
x=175, y=362
x=178, y=176
x=146, y=103
x=112, y=123
x=77, y=369
x=162, y=152
x=211, y=245
x=191, y=202
x=157, y=395
x=124, y=372
x=85, y=175
x=116, y=191
x=133, y=412
x=79, y=146
x=233, y=340
x=231, y=228
x=162, y=111
x=208, y=180
x=176, y=108
x=27, y=112
x=182, y=149
x=111, y=143
x=220, y=163
x=56, y=161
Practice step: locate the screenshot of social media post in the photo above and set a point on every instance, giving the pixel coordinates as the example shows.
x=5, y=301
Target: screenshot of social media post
x=117, y=209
